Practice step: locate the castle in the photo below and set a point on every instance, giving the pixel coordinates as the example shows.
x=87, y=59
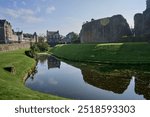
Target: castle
x=142, y=22
x=110, y=29
x=116, y=28
x=147, y=4
x=8, y=35
x=5, y=31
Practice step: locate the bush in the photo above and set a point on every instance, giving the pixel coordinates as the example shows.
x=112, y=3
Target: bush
x=77, y=41
x=29, y=53
x=40, y=47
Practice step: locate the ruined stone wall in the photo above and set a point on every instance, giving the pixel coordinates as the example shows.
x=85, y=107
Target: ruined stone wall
x=147, y=4
x=109, y=29
x=10, y=47
x=142, y=23
x=146, y=22
x=138, y=24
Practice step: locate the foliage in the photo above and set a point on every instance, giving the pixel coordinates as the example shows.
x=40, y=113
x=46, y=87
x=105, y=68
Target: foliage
x=77, y=41
x=29, y=53
x=40, y=47
x=75, y=38
x=41, y=39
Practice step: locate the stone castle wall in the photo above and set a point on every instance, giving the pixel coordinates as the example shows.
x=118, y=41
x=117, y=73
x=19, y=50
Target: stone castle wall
x=148, y=4
x=138, y=24
x=142, y=22
x=109, y=29
x=15, y=46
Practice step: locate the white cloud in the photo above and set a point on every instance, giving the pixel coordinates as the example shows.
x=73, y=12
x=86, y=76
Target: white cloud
x=25, y=12
x=25, y=15
x=32, y=19
x=50, y=9
x=11, y=12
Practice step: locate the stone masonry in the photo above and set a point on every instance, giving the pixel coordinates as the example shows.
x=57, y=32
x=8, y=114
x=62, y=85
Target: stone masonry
x=109, y=29
x=147, y=4
x=15, y=46
x=142, y=22
x=5, y=31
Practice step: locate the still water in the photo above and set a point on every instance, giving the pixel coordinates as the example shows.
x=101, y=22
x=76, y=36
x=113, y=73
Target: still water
x=56, y=77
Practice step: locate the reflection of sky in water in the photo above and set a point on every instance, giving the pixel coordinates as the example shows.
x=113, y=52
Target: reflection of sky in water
x=67, y=81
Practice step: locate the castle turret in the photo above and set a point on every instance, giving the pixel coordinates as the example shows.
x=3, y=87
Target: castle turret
x=142, y=21
x=147, y=4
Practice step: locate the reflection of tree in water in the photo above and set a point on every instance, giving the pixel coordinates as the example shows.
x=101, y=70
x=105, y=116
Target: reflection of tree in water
x=142, y=87
x=33, y=73
x=116, y=84
x=53, y=62
x=42, y=58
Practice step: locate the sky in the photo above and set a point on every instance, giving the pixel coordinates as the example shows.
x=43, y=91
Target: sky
x=64, y=15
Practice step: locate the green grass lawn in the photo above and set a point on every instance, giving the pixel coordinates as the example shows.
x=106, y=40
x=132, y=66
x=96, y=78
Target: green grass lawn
x=12, y=85
x=126, y=53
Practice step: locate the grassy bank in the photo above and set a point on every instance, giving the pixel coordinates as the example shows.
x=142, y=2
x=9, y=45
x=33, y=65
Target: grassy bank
x=12, y=85
x=128, y=53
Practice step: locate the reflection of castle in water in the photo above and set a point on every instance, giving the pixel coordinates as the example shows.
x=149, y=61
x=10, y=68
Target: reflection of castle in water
x=116, y=84
x=142, y=87
x=53, y=62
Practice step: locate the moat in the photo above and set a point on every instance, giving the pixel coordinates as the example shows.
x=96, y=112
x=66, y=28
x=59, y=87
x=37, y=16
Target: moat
x=86, y=82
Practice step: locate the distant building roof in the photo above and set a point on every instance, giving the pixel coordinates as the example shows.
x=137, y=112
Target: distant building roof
x=52, y=32
x=19, y=33
x=27, y=35
x=4, y=21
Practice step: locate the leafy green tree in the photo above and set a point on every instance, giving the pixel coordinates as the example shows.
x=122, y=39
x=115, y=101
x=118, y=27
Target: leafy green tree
x=40, y=47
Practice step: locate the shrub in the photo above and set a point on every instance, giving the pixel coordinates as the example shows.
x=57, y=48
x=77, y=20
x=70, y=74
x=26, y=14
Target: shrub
x=29, y=53
x=40, y=47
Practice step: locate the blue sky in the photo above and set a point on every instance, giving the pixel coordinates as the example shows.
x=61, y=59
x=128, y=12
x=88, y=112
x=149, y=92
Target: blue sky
x=64, y=15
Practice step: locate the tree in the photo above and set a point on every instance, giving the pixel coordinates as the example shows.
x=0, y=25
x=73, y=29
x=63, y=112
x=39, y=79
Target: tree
x=40, y=47
x=72, y=38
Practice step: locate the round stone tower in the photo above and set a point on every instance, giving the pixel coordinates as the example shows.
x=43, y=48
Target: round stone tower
x=148, y=4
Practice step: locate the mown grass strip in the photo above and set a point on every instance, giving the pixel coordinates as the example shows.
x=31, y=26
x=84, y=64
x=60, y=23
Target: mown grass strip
x=122, y=53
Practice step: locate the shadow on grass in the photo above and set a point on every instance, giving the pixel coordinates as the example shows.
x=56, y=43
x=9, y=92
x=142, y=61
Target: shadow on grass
x=10, y=69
